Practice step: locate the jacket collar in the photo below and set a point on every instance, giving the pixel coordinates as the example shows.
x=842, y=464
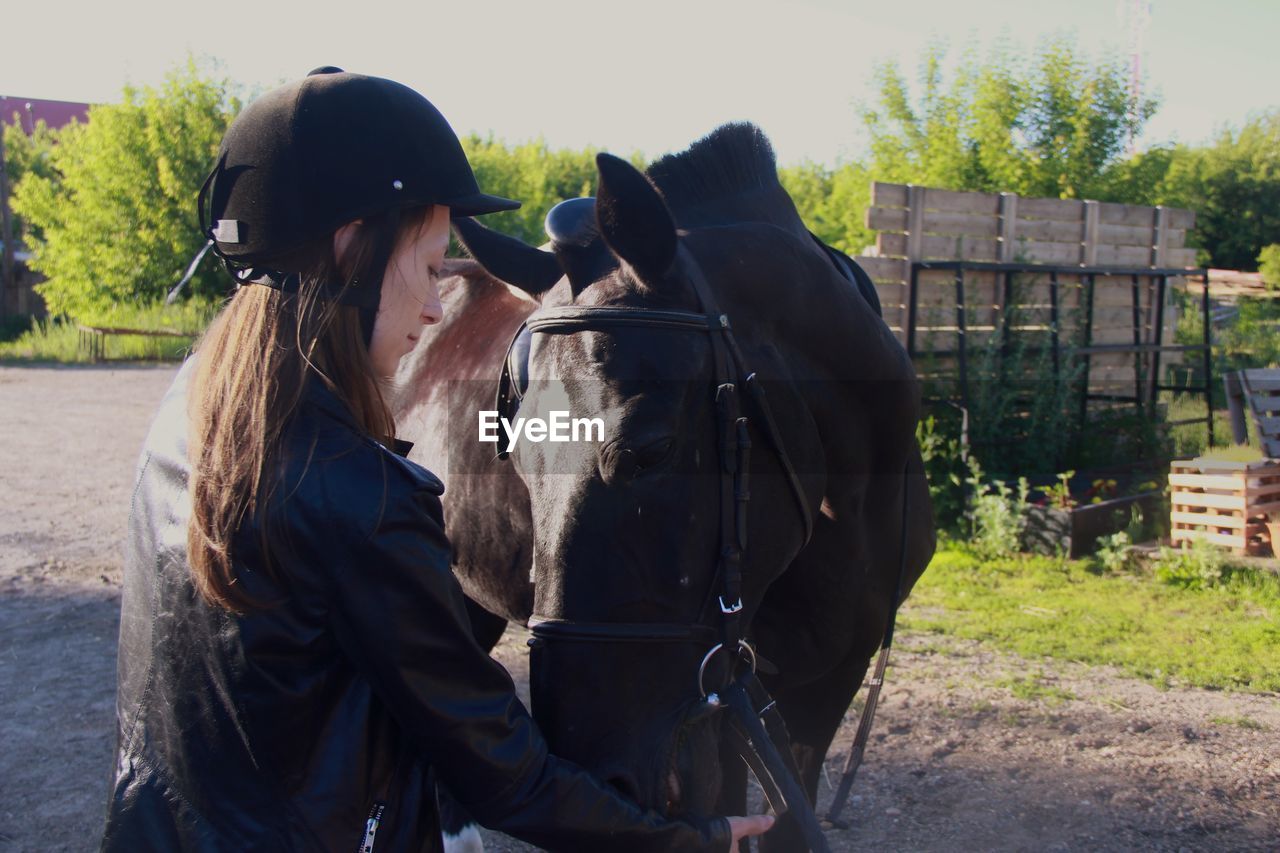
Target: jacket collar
x=317, y=394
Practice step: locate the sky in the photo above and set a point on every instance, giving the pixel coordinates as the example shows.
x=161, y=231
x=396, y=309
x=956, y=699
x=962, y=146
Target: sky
x=648, y=77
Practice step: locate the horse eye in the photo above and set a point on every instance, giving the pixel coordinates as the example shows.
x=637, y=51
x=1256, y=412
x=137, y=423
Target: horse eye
x=622, y=464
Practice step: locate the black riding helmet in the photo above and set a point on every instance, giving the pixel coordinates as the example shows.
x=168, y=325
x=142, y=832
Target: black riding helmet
x=317, y=153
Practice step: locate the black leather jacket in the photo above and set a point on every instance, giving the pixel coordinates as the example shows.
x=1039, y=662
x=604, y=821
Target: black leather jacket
x=321, y=723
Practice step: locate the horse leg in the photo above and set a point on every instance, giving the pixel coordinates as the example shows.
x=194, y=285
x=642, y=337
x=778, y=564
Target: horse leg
x=813, y=713
x=457, y=828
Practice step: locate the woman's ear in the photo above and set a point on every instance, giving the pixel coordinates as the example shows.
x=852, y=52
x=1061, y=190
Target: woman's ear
x=342, y=240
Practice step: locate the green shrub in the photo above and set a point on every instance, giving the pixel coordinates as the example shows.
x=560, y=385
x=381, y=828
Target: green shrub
x=998, y=515
x=1113, y=554
x=1269, y=266
x=945, y=468
x=1201, y=566
x=114, y=218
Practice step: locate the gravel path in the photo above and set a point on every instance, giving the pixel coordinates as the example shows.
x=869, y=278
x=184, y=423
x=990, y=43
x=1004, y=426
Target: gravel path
x=1092, y=760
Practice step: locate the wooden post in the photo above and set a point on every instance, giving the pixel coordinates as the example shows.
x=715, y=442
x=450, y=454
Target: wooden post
x=1008, y=227
x=1089, y=241
x=1159, y=238
x=915, y=246
x=6, y=270
x=1155, y=313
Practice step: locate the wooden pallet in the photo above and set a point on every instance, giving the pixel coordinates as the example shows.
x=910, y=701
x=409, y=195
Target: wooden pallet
x=1225, y=503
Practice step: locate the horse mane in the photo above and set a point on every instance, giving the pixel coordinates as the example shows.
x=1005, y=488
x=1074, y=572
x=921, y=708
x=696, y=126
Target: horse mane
x=733, y=161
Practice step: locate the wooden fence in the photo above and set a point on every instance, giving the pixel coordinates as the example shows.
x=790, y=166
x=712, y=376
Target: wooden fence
x=916, y=225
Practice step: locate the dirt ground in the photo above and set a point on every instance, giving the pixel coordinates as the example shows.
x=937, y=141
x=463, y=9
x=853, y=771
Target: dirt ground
x=1090, y=761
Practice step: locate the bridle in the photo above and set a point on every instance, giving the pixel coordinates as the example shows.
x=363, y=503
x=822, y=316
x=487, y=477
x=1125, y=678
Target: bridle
x=732, y=381
x=757, y=731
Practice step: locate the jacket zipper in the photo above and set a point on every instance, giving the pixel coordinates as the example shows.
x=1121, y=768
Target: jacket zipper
x=371, y=827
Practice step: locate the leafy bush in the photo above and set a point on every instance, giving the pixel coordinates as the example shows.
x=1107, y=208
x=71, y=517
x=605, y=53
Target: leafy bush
x=1113, y=554
x=1059, y=494
x=1269, y=265
x=1201, y=566
x=998, y=516
x=115, y=219
x=945, y=467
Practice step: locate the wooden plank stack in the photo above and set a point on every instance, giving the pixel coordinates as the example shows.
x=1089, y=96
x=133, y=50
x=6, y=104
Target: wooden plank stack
x=1230, y=285
x=1225, y=503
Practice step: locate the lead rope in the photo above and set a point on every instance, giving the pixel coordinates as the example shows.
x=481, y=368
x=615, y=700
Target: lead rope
x=859, y=748
x=780, y=774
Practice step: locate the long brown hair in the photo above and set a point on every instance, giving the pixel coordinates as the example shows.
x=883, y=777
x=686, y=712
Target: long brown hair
x=252, y=364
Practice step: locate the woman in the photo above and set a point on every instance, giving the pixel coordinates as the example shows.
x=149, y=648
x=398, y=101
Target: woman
x=296, y=665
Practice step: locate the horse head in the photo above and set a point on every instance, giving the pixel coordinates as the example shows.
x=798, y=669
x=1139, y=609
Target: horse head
x=690, y=311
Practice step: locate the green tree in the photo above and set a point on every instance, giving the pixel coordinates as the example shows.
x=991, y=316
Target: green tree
x=1053, y=126
x=27, y=154
x=538, y=176
x=1233, y=185
x=114, y=221
x=832, y=202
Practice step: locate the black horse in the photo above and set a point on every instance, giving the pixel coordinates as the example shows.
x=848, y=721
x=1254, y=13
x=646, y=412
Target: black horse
x=615, y=550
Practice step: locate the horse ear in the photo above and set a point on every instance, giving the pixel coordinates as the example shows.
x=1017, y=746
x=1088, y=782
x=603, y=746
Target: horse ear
x=507, y=259
x=633, y=218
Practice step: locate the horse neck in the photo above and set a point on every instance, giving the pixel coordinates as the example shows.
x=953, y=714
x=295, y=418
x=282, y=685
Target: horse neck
x=813, y=329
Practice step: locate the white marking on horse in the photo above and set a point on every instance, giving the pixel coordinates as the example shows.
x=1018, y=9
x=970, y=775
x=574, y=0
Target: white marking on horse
x=466, y=841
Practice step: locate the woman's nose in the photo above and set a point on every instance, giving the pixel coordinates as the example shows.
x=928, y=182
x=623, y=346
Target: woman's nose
x=432, y=312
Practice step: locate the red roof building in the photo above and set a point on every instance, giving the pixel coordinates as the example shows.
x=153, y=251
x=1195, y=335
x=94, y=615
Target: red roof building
x=31, y=110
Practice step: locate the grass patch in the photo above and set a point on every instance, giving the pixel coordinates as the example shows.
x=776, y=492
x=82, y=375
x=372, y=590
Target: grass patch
x=1233, y=453
x=1225, y=635
x=1191, y=439
x=1034, y=689
x=58, y=339
x=1239, y=722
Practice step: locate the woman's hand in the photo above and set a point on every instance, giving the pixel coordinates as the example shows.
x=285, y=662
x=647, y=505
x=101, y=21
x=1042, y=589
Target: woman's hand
x=744, y=827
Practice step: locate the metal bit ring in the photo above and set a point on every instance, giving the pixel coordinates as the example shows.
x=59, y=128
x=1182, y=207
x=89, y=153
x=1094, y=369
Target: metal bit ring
x=702, y=668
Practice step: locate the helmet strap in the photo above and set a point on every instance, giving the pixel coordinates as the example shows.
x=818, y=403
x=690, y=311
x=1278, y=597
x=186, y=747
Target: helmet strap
x=364, y=294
